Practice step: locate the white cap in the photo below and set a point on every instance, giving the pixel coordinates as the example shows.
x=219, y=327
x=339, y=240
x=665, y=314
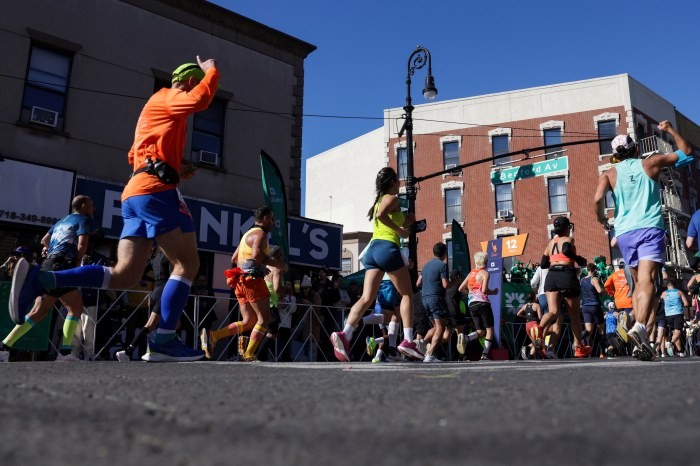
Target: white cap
x=306, y=281
x=624, y=140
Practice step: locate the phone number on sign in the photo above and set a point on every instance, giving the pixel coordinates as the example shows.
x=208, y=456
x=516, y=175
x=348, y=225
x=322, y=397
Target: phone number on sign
x=12, y=215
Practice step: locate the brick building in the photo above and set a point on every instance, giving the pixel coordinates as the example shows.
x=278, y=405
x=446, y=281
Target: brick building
x=451, y=133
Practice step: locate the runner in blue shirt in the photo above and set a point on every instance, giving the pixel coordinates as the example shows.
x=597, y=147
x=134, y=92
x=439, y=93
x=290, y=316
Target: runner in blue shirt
x=674, y=302
x=64, y=247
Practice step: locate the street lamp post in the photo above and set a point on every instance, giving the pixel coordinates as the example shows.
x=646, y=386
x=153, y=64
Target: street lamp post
x=416, y=61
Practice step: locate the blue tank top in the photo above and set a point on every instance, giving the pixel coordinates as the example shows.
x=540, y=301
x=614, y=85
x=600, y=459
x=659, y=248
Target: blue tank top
x=673, y=305
x=637, y=198
x=589, y=295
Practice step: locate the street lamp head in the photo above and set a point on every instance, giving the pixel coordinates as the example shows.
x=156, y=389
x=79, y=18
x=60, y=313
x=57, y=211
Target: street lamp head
x=430, y=90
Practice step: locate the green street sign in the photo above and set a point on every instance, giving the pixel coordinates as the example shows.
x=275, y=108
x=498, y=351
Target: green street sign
x=529, y=171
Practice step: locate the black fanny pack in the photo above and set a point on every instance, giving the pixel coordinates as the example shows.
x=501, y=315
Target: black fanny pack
x=165, y=173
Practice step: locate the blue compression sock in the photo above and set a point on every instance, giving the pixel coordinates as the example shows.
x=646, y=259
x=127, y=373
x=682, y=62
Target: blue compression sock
x=88, y=276
x=173, y=300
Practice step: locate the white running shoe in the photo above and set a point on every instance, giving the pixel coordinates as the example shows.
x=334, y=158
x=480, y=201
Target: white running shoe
x=461, y=344
x=122, y=356
x=430, y=358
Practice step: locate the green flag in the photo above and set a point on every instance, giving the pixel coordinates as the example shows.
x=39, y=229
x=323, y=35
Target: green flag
x=276, y=198
x=460, y=250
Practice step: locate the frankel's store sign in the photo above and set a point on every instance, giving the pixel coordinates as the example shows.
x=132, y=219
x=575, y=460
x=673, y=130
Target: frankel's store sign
x=34, y=194
x=219, y=227
x=522, y=172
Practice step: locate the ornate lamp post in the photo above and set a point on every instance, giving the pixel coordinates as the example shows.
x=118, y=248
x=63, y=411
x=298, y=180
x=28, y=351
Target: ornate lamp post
x=416, y=61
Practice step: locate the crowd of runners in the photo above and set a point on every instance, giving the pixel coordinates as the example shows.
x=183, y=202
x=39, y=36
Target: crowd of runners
x=158, y=222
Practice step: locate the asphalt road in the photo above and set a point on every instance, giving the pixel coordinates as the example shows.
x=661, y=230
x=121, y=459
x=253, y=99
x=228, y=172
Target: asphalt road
x=588, y=412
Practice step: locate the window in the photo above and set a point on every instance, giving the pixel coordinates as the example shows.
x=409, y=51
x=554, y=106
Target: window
x=504, y=198
x=402, y=163
x=450, y=154
x=609, y=199
x=499, y=145
x=46, y=87
x=208, y=133
x=346, y=266
x=448, y=243
x=606, y=129
x=552, y=137
x=641, y=131
x=557, y=195
x=453, y=205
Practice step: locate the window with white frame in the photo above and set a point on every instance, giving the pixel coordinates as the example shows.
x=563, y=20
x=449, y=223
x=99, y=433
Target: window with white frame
x=606, y=129
x=609, y=199
x=402, y=162
x=208, y=133
x=552, y=137
x=450, y=154
x=557, y=195
x=453, y=205
x=46, y=87
x=504, y=199
x=500, y=145
x=346, y=266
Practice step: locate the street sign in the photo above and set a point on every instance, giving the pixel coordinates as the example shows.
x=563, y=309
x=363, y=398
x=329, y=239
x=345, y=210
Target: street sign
x=529, y=171
x=420, y=225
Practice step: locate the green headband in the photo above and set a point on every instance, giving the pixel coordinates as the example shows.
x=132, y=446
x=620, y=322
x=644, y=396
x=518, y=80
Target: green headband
x=186, y=71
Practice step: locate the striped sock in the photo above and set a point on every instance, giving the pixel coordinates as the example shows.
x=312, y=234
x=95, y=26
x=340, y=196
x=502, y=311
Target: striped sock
x=69, y=326
x=235, y=328
x=256, y=336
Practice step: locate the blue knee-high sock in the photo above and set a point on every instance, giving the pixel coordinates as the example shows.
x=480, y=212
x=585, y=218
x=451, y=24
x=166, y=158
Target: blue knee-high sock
x=88, y=276
x=172, y=302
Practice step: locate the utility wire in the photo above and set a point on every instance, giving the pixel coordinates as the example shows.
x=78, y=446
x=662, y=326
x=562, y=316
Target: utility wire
x=253, y=109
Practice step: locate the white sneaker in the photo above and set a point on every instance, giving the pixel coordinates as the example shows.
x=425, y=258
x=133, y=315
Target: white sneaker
x=669, y=349
x=430, y=358
x=461, y=344
x=122, y=356
x=68, y=358
x=422, y=346
x=4, y=356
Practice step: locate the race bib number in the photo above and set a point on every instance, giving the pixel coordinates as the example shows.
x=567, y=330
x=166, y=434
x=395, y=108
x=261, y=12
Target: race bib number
x=183, y=205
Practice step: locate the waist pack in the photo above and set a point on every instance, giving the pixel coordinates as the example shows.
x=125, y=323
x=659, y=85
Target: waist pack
x=165, y=173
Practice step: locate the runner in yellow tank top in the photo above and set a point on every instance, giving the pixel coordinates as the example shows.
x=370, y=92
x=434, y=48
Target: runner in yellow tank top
x=383, y=255
x=251, y=257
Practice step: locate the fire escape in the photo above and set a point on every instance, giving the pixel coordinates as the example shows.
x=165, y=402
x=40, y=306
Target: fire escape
x=676, y=210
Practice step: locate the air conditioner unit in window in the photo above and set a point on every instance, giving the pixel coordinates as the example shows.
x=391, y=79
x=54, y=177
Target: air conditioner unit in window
x=505, y=214
x=210, y=158
x=454, y=172
x=44, y=116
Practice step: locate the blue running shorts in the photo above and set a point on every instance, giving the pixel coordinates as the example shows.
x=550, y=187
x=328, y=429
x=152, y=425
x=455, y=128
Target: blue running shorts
x=150, y=215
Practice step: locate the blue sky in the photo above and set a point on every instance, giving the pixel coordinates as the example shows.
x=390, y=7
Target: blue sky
x=359, y=68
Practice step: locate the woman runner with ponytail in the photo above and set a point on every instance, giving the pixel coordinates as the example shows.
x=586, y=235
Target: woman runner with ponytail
x=383, y=255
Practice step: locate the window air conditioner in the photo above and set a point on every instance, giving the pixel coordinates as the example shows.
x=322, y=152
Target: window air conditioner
x=44, y=116
x=454, y=172
x=505, y=214
x=210, y=158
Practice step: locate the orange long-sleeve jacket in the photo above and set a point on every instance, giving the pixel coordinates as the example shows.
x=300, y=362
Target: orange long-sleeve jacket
x=616, y=286
x=161, y=131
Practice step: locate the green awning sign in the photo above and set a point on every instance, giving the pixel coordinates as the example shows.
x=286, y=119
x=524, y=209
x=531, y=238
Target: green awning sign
x=529, y=171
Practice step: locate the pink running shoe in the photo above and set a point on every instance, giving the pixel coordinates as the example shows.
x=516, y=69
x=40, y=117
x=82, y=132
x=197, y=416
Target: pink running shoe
x=340, y=346
x=410, y=350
